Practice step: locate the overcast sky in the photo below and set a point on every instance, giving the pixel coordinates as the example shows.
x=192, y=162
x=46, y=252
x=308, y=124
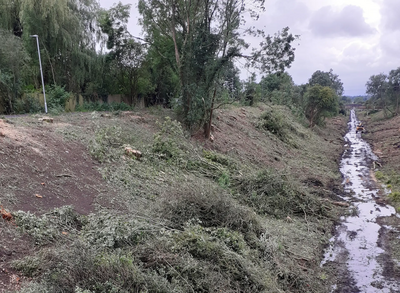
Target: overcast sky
x=356, y=38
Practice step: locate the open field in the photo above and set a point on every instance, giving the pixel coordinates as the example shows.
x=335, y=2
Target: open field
x=250, y=211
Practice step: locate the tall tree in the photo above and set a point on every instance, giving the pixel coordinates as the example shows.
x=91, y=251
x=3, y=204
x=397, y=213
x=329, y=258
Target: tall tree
x=160, y=60
x=394, y=87
x=278, y=88
x=321, y=102
x=125, y=56
x=207, y=37
x=10, y=19
x=13, y=59
x=67, y=31
x=377, y=86
x=327, y=79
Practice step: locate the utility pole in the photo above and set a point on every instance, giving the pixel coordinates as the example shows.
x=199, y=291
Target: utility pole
x=41, y=72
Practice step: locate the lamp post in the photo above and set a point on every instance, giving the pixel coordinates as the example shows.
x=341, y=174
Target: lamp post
x=41, y=72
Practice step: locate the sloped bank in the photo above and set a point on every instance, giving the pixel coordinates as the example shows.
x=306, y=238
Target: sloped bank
x=250, y=212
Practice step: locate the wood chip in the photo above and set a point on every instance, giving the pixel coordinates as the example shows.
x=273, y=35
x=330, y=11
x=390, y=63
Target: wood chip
x=38, y=196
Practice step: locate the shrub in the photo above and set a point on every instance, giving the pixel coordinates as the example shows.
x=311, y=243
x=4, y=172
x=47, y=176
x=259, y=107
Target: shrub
x=94, y=269
x=203, y=245
x=112, y=231
x=107, y=143
x=166, y=141
x=274, y=123
x=98, y=106
x=49, y=227
x=277, y=123
x=29, y=104
x=211, y=207
x=271, y=193
x=56, y=98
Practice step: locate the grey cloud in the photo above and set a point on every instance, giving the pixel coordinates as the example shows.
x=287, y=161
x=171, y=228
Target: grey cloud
x=390, y=15
x=280, y=14
x=390, y=43
x=350, y=22
x=292, y=12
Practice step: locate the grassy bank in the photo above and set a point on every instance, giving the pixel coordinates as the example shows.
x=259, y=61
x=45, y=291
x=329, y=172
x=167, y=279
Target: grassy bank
x=383, y=134
x=249, y=212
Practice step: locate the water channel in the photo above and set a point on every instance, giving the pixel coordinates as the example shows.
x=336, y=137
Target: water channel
x=355, y=245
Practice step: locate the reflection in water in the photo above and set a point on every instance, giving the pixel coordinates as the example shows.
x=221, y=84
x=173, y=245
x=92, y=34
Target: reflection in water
x=357, y=235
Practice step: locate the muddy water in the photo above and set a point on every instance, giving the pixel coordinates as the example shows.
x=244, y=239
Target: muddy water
x=355, y=247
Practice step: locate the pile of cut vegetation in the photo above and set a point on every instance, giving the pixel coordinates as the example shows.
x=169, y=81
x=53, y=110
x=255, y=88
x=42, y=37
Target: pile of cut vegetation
x=249, y=212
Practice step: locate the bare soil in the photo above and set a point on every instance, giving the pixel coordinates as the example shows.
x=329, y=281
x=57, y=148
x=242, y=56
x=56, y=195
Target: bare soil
x=384, y=136
x=40, y=171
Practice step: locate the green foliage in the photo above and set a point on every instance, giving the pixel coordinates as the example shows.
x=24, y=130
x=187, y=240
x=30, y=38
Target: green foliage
x=392, y=180
x=28, y=104
x=49, y=227
x=97, y=106
x=166, y=141
x=278, y=88
x=395, y=195
x=275, y=123
x=203, y=57
x=201, y=221
x=111, y=231
x=211, y=207
x=67, y=35
x=218, y=158
x=107, y=143
x=94, y=270
x=321, y=102
x=224, y=180
x=385, y=91
x=213, y=245
x=270, y=193
x=126, y=56
x=56, y=97
x=379, y=175
x=13, y=61
x=33, y=287
x=28, y=266
x=327, y=79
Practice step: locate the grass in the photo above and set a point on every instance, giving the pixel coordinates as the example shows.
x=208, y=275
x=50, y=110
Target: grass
x=185, y=218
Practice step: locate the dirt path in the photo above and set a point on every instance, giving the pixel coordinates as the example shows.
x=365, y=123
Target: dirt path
x=360, y=252
x=39, y=171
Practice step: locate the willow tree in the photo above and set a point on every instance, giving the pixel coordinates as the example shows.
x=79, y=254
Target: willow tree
x=208, y=36
x=67, y=33
x=10, y=19
x=13, y=59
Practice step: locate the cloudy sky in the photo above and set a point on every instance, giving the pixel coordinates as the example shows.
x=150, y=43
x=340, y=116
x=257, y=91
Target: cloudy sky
x=356, y=38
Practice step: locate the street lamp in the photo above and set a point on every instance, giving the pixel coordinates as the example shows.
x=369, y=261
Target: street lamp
x=41, y=72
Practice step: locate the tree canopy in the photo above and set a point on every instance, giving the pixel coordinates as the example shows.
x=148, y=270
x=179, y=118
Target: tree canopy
x=207, y=37
x=321, y=102
x=187, y=58
x=327, y=79
x=384, y=91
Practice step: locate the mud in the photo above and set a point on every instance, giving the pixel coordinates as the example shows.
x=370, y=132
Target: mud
x=359, y=251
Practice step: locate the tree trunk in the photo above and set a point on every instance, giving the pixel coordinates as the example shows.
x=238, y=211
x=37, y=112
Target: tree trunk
x=207, y=125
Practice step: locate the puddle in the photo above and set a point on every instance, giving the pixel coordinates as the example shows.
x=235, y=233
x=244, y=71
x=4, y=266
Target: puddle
x=355, y=244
